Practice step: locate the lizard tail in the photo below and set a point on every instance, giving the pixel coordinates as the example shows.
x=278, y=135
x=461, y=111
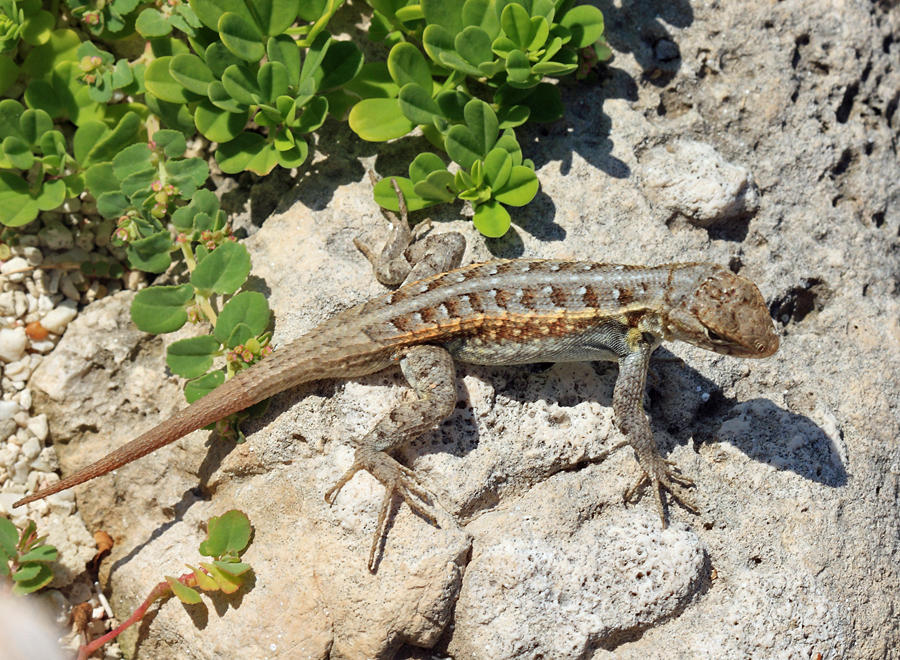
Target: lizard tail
x=296, y=363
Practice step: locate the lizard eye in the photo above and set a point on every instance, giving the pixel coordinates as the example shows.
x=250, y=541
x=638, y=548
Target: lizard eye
x=714, y=336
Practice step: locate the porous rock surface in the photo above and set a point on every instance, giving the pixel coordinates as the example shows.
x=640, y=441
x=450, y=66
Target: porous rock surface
x=796, y=457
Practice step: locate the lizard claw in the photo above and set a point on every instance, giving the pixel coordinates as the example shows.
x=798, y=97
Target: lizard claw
x=395, y=478
x=664, y=475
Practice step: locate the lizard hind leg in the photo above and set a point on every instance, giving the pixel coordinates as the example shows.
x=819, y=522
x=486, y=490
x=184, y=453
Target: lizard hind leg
x=411, y=254
x=431, y=374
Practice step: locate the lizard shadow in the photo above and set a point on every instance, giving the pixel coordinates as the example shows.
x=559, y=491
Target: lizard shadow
x=689, y=406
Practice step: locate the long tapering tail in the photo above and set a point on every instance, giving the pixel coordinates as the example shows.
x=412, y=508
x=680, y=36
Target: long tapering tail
x=306, y=359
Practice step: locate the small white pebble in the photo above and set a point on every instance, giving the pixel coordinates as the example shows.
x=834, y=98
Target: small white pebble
x=7, y=304
x=19, y=371
x=8, y=456
x=7, y=428
x=8, y=409
x=24, y=399
x=31, y=448
x=10, y=267
x=39, y=427
x=33, y=256
x=21, y=302
x=21, y=418
x=57, y=319
x=67, y=286
x=20, y=471
x=12, y=344
x=43, y=347
x=53, y=285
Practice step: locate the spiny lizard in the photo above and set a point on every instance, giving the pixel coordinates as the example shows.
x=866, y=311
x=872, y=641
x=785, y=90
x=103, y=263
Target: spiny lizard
x=498, y=313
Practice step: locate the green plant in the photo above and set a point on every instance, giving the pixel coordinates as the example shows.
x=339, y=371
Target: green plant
x=227, y=537
x=248, y=69
x=218, y=266
x=487, y=60
x=24, y=557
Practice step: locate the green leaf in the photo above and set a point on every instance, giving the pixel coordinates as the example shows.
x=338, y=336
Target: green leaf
x=516, y=24
x=497, y=167
x=160, y=82
x=151, y=23
x=33, y=124
x=248, y=151
x=218, y=58
x=203, y=580
x=17, y=152
x=379, y=120
x=466, y=144
x=234, y=568
x=51, y=195
x=200, y=387
x=224, y=270
x=132, y=159
x=184, y=593
x=387, y=198
x=241, y=37
x=9, y=537
x=518, y=68
x=545, y=103
x=192, y=357
x=437, y=42
x=373, y=81
x=10, y=113
x=313, y=115
x=284, y=50
x=423, y=165
x=445, y=13
x=474, y=45
x=341, y=64
x=112, y=204
x=36, y=579
x=406, y=64
x=491, y=219
x=417, y=104
x=273, y=81
x=151, y=254
x=8, y=73
x=241, y=84
x=586, y=24
x=191, y=72
x=249, y=308
x=17, y=208
x=227, y=583
x=226, y=534
x=61, y=47
x=218, y=125
x=160, y=309
x=437, y=187
x=483, y=14
x=452, y=105
x=520, y=189
x=171, y=142
x=41, y=553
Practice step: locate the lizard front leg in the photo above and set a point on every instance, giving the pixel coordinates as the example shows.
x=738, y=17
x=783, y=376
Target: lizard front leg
x=432, y=375
x=632, y=421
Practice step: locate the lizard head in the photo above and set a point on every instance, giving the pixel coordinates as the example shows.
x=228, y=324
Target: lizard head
x=721, y=312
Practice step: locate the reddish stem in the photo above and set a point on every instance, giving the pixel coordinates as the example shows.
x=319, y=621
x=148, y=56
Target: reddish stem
x=161, y=589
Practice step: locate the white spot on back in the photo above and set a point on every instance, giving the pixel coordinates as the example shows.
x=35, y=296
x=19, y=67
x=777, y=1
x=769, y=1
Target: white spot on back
x=615, y=293
x=580, y=291
x=554, y=267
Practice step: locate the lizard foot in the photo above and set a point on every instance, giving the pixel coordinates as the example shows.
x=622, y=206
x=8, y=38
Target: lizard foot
x=664, y=474
x=395, y=478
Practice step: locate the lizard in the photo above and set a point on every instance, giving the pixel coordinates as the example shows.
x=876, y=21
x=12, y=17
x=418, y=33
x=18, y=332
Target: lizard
x=503, y=312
